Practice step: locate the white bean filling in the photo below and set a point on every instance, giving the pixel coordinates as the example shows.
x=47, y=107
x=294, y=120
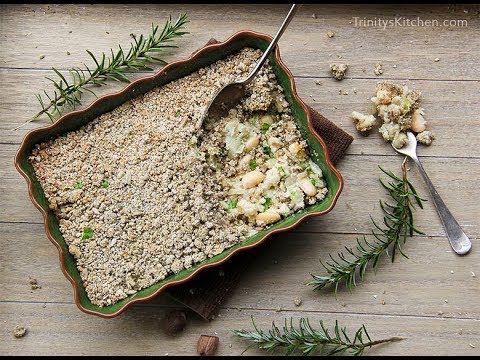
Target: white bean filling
x=261, y=158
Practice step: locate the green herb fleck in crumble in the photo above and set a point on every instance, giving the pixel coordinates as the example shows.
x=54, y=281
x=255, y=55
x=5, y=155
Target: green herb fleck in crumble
x=232, y=203
x=268, y=202
x=87, y=233
x=304, y=165
x=265, y=127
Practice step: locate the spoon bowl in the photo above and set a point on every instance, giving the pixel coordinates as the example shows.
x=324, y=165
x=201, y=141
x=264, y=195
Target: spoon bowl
x=226, y=98
x=410, y=148
x=230, y=95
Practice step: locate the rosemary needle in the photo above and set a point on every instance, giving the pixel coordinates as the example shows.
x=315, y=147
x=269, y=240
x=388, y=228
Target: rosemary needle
x=308, y=340
x=389, y=236
x=67, y=93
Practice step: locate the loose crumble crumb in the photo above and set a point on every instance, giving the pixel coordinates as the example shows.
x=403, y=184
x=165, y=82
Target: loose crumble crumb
x=425, y=137
x=19, y=331
x=297, y=301
x=137, y=199
x=338, y=70
x=363, y=123
x=378, y=69
x=34, y=284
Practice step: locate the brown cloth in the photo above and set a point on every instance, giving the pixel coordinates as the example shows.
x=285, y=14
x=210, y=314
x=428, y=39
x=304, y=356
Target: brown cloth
x=209, y=289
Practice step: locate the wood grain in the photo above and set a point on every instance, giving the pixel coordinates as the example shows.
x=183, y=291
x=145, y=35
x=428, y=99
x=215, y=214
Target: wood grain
x=458, y=97
x=431, y=298
x=361, y=47
x=278, y=274
x=60, y=329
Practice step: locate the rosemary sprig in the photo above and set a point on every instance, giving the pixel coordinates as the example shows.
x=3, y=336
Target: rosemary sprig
x=388, y=237
x=67, y=94
x=309, y=341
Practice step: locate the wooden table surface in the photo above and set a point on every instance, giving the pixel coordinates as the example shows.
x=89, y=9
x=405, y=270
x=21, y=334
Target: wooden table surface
x=432, y=298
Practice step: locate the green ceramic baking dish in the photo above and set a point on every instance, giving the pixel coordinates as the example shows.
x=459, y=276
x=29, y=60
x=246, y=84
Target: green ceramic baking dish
x=201, y=58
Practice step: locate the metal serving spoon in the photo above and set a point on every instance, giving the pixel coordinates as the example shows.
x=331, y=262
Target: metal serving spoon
x=230, y=95
x=458, y=240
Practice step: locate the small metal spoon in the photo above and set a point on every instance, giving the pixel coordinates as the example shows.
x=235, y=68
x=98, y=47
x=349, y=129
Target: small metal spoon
x=458, y=240
x=230, y=95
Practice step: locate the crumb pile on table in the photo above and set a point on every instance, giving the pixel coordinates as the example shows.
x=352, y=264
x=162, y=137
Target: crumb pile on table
x=399, y=110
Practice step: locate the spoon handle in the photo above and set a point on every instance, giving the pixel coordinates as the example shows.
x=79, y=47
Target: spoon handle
x=458, y=240
x=267, y=52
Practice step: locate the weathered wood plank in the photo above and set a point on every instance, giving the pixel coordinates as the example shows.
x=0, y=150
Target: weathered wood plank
x=411, y=49
x=356, y=203
x=59, y=329
x=430, y=298
x=415, y=286
x=358, y=200
x=451, y=109
x=425, y=284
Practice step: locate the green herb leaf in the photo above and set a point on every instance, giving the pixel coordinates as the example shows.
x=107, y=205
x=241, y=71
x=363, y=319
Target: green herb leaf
x=267, y=150
x=78, y=185
x=87, y=233
x=105, y=184
x=232, y=203
x=265, y=127
x=267, y=204
x=304, y=165
x=253, y=164
x=177, y=114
